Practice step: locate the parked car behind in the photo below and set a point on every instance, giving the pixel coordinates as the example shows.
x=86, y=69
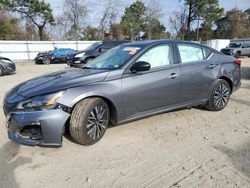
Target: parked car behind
x=58, y=55
x=6, y=66
x=237, y=49
x=128, y=82
x=92, y=52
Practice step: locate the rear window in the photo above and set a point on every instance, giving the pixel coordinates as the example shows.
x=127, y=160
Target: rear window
x=234, y=45
x=94, y=46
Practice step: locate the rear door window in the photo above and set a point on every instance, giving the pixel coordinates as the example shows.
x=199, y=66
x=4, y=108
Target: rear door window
x=190, y=53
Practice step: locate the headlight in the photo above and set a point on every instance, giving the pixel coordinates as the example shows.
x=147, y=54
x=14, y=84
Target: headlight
x=80, y=55
x=40, y=102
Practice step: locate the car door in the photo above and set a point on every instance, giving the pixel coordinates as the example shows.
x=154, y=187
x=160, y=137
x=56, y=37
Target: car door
x=198, y=71
x=245, y=49
x=154, y=89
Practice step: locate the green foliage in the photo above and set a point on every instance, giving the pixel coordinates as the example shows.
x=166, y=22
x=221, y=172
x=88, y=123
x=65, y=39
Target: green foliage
x=206, y=10
x=157, y=30
x=134, y=19
x=39, y=12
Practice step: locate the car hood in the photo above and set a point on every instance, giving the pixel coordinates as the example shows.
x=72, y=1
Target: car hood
x=61, y=80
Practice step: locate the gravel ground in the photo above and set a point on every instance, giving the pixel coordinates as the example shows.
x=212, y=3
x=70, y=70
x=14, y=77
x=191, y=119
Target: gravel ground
x=184, y=148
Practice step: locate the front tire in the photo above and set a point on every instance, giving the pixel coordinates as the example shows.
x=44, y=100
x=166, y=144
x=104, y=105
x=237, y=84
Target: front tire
x=219, y=96
x=89, y=121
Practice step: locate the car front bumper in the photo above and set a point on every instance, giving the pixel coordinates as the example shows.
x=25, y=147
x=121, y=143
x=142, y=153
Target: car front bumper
x=41, y=128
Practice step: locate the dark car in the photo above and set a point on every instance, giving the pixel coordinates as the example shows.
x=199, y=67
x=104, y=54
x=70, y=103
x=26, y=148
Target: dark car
x=92, y=52
x=128, y=82
x=58, y=55
x=6, y=66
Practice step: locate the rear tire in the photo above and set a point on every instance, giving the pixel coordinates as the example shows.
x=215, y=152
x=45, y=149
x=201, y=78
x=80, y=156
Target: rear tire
x=89, y=121
x=219, y=96
x=1, y=71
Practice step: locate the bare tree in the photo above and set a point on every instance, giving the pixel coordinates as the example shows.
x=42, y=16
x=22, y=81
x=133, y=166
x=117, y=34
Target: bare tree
x=153, y=12
x=60, y=29
x=178, y=23
x=74, y=14
x=109, y=16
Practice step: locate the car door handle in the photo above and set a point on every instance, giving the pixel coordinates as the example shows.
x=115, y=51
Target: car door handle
x=211, y=66
x=173, y=75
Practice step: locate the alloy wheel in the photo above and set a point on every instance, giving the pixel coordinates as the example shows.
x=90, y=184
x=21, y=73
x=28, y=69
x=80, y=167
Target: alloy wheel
x=221, y=95
x=97, y=122
x=46, y=61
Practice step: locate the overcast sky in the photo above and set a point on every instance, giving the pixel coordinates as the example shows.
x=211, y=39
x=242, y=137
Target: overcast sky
x=167, y=6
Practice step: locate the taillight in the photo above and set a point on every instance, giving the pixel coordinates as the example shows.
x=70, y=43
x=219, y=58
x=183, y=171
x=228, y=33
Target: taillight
x=238, y=61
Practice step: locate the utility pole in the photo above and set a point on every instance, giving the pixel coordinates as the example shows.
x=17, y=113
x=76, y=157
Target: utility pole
x=197, y=30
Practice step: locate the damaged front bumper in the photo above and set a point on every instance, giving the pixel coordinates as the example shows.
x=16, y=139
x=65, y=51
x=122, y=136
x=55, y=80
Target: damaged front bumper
x=41, y=128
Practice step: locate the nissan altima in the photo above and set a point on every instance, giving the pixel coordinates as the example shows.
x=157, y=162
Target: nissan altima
x=130, y=81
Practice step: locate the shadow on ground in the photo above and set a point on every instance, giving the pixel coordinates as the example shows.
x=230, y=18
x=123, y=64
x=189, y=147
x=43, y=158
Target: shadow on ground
x=245, y=73
x=241, y=101
x=9, y=161
x=240, y=158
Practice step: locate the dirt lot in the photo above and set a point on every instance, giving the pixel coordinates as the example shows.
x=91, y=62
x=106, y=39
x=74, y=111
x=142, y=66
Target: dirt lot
x=184, y=148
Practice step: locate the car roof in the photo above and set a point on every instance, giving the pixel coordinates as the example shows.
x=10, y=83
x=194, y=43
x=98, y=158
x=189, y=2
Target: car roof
x=146, y=43
x=151, y=42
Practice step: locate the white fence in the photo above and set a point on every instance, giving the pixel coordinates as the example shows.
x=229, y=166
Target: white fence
x=218, y=44
x=27, y=50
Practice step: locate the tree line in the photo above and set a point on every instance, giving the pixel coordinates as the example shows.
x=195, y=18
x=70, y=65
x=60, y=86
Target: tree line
x=192, y=20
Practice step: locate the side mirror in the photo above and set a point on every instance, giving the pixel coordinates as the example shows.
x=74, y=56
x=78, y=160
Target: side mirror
x=140, y=66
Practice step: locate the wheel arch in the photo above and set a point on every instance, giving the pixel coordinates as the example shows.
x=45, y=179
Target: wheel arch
x=3, y=68
x=112, y=107
x=229, y=81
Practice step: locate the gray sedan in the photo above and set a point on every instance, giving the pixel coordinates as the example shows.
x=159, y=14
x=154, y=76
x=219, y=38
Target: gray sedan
x=128, y=82
x=6, y=66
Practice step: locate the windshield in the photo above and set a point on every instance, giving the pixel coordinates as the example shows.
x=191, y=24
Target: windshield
x=234, y=45
x=94, y=46
x=114, y=58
